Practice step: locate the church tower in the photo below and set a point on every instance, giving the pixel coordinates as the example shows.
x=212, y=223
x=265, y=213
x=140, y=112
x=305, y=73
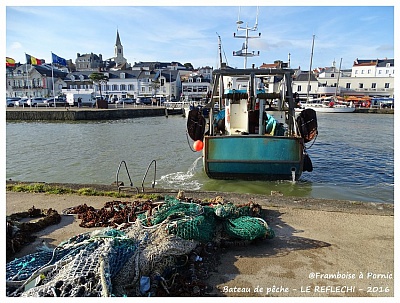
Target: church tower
x=119, y=51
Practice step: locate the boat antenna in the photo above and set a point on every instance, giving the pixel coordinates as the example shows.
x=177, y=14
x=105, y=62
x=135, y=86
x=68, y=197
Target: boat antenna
x=244, y=51
x=256, y=24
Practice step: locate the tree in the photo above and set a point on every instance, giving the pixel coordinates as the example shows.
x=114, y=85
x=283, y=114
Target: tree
x=99, y=79
x=188, y=65
x=155, y=85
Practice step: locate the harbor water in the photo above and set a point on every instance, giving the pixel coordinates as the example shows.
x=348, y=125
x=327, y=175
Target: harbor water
x=353, y=156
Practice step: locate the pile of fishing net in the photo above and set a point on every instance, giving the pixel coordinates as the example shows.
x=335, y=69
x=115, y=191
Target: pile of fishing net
x=143, y=259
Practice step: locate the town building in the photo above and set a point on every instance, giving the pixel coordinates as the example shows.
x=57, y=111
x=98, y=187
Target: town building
x=371, y=78
x=27, y=80
x=206, y=72
x=88, y=62
x=373, y=68
x=196, y=88
x=78, y=82
x=126, y=84
x=305, y=84
x=156, y=65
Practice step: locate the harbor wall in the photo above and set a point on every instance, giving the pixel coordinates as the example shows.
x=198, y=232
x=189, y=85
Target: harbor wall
x=67, y=114
x=81, y=114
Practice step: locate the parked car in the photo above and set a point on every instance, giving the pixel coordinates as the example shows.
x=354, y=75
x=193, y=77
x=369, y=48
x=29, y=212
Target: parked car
x=158, y=100
x=37, y=101
x=124, y=100
x=144, y=100
x=11, y=101
x=21, y=102
x=59, y=101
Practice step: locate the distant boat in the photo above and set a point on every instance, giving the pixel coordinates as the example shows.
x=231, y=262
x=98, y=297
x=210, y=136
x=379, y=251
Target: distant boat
x=243, y=140
x=327, y=105
x=176, y=107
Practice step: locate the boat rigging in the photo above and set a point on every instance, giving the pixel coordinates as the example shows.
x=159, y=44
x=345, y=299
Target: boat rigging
x=244, y=52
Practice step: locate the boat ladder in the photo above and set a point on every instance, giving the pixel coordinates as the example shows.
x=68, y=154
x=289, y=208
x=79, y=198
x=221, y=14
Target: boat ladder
x=121, y=185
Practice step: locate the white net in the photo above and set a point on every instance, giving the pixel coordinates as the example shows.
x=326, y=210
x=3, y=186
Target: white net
x=101, y=263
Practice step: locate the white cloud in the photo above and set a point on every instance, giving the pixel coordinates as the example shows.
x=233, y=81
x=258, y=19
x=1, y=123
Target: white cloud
x=15, y=46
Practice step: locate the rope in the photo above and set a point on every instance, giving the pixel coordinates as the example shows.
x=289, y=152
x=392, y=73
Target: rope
x=190, y=145
x=313, y=141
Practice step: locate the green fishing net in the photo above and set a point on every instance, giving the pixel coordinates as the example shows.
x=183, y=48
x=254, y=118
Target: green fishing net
x=247, y=228
x=193, y=221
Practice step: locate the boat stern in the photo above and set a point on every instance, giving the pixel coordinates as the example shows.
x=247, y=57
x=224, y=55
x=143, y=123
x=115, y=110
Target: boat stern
x=253, y=157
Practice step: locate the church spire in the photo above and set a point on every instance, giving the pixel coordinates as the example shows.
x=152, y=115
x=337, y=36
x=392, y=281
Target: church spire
x=118, y=49
x=118, y=41
x=119, y=52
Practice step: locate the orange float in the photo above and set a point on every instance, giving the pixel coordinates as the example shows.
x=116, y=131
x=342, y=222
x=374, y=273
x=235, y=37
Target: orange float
x=198, y=145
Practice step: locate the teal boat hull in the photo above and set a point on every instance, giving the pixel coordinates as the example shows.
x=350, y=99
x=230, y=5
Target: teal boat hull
x=253, y=157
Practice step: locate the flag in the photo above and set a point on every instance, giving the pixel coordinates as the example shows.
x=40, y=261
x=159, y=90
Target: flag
x=58, y=60
x=32, y=60
x=10, y=62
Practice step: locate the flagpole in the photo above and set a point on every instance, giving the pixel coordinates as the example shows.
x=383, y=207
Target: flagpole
x=27, y=80
x=52, y=77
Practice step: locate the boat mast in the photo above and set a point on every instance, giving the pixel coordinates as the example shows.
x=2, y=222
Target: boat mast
x=309, y=71
x=244, y=51
x=219, y=50
x=337, y=82
x=220, y=81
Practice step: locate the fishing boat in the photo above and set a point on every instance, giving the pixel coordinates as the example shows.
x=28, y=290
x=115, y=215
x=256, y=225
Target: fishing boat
x=245, y=138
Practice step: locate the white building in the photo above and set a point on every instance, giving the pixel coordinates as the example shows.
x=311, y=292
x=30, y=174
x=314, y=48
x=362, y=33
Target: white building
x=126, y=84
x=366, y=78
x=373, y=68
x=370, y=78
x=29, y=80
x=305, y=84
x=196, y=88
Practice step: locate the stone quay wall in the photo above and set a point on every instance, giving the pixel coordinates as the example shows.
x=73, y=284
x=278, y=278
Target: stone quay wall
x=82, y=114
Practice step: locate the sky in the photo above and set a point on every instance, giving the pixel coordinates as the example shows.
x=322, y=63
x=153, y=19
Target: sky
x=190, y=33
